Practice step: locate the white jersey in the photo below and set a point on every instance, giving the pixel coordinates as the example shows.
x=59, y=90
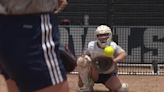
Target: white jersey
x=94, y=49
x=27, y=6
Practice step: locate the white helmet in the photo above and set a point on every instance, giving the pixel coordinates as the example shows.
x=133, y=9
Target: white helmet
x=104, y=35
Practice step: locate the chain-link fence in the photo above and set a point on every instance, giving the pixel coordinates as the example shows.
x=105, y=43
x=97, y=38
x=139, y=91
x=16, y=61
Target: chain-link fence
x=144, y=45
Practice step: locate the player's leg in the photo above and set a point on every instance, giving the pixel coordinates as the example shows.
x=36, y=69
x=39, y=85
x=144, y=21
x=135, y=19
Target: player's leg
x=93, y=74
x=12, y=87
x=84, y=68
x=115, y=85
x=3, y=84
x=6, y=84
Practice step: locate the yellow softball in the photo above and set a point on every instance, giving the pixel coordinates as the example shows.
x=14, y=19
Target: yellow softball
x=108, y=51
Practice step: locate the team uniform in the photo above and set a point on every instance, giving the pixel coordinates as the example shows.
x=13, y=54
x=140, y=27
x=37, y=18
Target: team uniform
x=93, y=48
x=95, y=67
x=29, y=41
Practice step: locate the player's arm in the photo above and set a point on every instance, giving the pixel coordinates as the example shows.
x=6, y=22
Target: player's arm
x=120, y=55
x=61, y=6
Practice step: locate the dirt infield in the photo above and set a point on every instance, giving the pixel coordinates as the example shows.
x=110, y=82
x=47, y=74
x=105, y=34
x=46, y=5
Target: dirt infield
x=136, y=83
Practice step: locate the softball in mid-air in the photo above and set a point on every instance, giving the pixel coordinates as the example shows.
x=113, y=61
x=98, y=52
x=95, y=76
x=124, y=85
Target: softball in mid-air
x=109, y=51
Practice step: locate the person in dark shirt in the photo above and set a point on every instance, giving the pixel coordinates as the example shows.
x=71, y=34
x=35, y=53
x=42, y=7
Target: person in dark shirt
x=29, y=41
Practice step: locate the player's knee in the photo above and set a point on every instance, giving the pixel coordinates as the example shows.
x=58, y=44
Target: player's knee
x=124, y=88
x=83, y=61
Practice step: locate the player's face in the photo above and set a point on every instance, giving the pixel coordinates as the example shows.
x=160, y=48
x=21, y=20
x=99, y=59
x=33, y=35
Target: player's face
x=103, y=37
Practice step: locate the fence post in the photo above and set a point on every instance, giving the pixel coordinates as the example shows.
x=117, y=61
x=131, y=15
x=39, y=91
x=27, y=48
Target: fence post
x=155, y=66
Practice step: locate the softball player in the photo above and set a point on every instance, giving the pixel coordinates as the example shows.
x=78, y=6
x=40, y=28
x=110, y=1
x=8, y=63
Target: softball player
x=29, y=41
x=88, y=71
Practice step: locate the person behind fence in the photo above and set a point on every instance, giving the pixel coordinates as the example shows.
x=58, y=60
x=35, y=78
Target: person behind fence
x=95, y=67
x=29, y=41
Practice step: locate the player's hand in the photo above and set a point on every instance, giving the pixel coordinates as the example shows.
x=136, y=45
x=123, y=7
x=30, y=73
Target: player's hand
x=62, y=5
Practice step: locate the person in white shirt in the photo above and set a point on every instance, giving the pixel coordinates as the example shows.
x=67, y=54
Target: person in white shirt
x=88, y=71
